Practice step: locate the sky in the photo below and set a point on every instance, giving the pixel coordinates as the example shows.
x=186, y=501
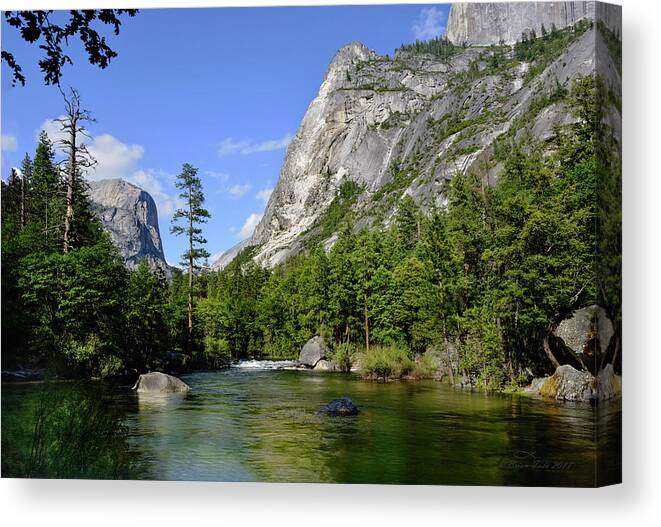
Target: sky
x=223, y=89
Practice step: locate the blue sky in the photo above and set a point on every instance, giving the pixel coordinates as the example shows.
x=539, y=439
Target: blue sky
x=223, y=89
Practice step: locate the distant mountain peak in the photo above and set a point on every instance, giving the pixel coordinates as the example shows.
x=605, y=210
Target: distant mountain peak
x=129, y=214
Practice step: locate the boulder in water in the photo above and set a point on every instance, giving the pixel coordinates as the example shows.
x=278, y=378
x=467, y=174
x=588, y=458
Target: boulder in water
x=157, y=382
x=569, y=384
x=323, y=365
x=313, y=351
x=340, y=407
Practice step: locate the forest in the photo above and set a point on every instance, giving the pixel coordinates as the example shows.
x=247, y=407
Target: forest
x=468, y=291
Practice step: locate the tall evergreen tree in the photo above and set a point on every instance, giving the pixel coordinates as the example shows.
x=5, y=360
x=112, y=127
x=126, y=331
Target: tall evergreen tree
x=193, y=214
x=45, y=202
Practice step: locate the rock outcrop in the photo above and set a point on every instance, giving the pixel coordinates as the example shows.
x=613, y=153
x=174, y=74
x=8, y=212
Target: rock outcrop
x=156, y=382
x=313, y=352
x=425, y=116
x=129, y=215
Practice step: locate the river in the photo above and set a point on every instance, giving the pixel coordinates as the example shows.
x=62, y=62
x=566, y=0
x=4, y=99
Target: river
x=254, y=423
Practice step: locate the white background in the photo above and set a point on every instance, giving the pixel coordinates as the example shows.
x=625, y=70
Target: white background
x=638, y=500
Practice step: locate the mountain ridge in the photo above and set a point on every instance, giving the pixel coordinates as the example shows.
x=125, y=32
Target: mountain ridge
x=404, y=126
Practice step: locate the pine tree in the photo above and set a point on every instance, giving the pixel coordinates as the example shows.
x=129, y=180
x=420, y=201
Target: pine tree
x=26, y=181
x=193, y=214
x=46, y=188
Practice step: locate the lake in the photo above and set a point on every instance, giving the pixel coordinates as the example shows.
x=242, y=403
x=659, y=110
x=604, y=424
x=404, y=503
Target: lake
x=254, y=424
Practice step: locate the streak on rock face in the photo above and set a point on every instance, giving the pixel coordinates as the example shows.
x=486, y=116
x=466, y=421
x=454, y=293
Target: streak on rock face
x=129, y=215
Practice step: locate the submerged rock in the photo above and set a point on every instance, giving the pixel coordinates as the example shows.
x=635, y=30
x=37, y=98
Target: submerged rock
x=314, y=350
x=340, y=407
x=157, y=382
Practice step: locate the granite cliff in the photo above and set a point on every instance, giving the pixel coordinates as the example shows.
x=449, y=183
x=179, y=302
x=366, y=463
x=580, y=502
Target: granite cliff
x=387, y=127
x=129, y=215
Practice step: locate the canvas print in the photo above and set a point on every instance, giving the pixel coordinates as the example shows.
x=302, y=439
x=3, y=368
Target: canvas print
x=325, y=244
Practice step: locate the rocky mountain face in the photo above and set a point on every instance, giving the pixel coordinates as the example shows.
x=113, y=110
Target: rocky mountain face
x=505, y=22
x=129, y=215
x=386, y=127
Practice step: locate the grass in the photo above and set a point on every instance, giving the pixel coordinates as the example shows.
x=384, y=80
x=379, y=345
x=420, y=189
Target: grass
x=384, y=363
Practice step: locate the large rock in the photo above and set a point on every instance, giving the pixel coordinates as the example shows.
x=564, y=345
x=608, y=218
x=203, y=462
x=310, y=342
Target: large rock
x=313, y=351
x=156, y=382
x=569, y=384
x=588, y=332
x=609, y=385
x=323, y=365
x=340, y=407
x=129, y=215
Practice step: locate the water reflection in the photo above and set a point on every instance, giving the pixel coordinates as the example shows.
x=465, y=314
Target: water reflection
x=262, y=425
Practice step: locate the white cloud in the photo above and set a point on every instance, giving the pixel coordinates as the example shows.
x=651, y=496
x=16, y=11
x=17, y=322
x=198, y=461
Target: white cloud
x=114, y=158
x=120, y=160
x=239, y=190
x=151, y=181
x=264, y=195
x=53, y=129
x=9, y=143
x=248, y=146
x=249, y=226
x=430, y=23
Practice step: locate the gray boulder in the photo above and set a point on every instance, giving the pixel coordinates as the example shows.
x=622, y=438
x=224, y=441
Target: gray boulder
x=609, y=385
x=157, y=382
x=314, y=350
x=323, y=365
x=569, y=384
x=587, y=333
x=340, y=407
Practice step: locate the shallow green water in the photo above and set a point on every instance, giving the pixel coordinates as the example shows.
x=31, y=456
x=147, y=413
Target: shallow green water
x=257, y=425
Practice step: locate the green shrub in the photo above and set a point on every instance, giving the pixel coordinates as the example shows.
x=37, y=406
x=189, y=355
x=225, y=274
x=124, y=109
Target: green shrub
x=343, y=356
x=110, y=366
x=383, y=363
x=425, y=366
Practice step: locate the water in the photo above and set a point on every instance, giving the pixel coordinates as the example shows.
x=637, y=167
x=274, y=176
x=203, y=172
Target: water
x=255, y=424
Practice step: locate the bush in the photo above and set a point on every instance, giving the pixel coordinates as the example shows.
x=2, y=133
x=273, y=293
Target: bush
x=385, y=362
x=425, y=366
x=110, y=366
x=342, y=356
